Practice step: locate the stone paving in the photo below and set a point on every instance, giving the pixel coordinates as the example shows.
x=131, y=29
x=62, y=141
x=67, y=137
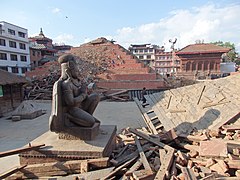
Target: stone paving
x=17, y=134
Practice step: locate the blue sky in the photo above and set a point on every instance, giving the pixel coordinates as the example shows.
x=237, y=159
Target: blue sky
x=127, y=21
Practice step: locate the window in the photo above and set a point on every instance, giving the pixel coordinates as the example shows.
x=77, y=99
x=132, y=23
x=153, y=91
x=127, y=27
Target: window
x=23, y=58
x=150, y=50
x=3, y=56
x=140, y=57
x=2, y=42
x=4, y=68
x=33, y=53
x=10, y=31
x=211, y=66
x=13, y=57
x=141, y=50
x=148, y=56
x=200, y=66
x=21, y=34
x=22, y=46
x=135, y=50
x=24, y=69
x=12, y=44
x=14, y=70
x=145, y=50
x=38, y=53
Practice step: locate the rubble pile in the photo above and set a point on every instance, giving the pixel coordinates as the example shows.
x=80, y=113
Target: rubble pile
x=27, y=110
x=202, y=154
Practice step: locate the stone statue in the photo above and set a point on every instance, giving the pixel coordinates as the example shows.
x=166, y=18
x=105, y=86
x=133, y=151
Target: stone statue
x=71, y=105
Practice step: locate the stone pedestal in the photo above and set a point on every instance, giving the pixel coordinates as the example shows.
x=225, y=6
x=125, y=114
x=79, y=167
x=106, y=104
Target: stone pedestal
x=80, y=133
x=62, y=149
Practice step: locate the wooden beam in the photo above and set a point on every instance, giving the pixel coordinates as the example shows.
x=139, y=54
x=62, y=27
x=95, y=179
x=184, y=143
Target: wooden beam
x=123, y=159
x=61, y=168
x=12, y=171
x=111, y=174
x=138, y=164
x=150, y=139
x=165, y=165
x=215, y=104
x=19, y=150
x=220, y=124
x=142, y=155
x=201, y=94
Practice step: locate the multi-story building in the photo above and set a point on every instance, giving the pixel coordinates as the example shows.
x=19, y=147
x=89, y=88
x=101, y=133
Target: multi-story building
x=14, y=48
x=166, y=63
x=41, y=50
x=144, y=52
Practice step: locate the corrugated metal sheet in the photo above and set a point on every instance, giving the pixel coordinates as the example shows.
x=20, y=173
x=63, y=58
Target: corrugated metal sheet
x=10, y=78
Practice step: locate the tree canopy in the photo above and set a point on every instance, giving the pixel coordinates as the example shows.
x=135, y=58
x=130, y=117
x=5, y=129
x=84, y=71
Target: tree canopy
x=231, y=55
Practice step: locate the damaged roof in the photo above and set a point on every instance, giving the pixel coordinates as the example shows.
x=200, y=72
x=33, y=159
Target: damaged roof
x=10, y=78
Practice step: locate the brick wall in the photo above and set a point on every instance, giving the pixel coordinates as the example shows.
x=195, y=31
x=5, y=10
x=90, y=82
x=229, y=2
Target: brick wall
x=133, y=77
x=131, y=84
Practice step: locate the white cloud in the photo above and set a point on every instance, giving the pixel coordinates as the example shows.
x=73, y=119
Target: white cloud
x=63, y=38
x=209, y=23
x=56, y=10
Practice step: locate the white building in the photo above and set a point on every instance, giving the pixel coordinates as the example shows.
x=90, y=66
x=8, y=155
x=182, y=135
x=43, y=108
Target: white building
x=14, y=48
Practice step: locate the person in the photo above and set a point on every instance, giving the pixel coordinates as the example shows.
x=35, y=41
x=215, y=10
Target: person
x=144, y=92
x=76, y=103
x=25, y=93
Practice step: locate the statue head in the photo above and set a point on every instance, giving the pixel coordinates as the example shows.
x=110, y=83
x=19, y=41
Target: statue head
x=68, y=66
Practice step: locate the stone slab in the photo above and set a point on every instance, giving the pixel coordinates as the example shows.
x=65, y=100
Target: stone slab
x=80, y=133
x=61, y=149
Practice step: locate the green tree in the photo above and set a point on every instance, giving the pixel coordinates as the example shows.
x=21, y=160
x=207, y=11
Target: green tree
x=232, y=53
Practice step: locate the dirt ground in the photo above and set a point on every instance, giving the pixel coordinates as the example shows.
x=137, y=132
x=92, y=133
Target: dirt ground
x=17, y=134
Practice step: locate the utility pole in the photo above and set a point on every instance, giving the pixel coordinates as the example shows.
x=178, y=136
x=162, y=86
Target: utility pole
x=172, y=47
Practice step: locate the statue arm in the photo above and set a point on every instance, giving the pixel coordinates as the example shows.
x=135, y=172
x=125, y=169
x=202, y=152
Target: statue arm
x=69, y=97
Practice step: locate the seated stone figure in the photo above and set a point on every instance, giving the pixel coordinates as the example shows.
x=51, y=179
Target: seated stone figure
x=71, y=105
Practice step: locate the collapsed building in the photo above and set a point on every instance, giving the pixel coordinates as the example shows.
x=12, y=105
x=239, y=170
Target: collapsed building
x=191, y=132
x=109, y=65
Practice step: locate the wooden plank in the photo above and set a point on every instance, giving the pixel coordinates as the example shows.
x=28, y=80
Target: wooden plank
x=19, y=150
x=201, y=94
x=143, y=175
x=12, y=171
x=137, y=164
x=142, y=155
x=233, y=127
x=188, y=173
x=119, y=168
x=62, y=168
x=220, y=124
x=169, y=101
x=150, y=139
x=235, y=164
x=215, y=104
x=162, y=154
x=195, y=138
x=123, y=159
x=165, y=165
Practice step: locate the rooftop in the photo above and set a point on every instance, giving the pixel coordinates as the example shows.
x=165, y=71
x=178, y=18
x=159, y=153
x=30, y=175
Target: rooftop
x=202, y=48
x=10, y=78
